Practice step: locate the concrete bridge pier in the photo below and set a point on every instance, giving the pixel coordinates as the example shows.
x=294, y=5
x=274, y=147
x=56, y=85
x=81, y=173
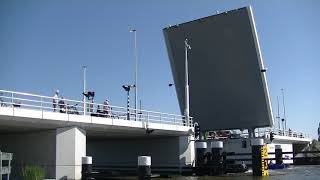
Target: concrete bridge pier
x=70, y=148
x=58, y=151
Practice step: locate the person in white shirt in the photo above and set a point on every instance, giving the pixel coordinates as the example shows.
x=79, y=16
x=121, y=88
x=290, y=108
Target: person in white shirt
x=106, y=108
x=55, y=100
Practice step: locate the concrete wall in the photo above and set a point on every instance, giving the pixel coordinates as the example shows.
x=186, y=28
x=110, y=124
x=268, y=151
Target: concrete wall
x=35, y=148
x=124, y=152
x=187, y=151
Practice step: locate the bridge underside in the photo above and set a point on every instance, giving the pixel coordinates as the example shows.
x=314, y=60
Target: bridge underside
x=25, y=120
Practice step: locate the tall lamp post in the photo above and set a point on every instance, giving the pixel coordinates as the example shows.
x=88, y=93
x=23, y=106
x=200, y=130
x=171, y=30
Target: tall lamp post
x=136, y=71
x=186, y=111
x=84, y=89
x=284, y=110
x=278, y=116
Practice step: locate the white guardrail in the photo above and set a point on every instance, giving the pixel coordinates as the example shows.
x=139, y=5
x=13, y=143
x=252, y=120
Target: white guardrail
x=5, y=170
x=288, y=133
x=262, y=132
x=46, y=103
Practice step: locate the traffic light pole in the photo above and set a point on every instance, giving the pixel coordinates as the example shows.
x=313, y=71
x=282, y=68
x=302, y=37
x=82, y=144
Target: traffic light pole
x=197, y=132
x=128, y=105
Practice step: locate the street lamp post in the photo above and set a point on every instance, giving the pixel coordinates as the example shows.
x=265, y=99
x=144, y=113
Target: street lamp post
x=284, y=110
x=186, y=112
x=84, y=89
x=127, y=89
x=278, y=116
x=136, y=71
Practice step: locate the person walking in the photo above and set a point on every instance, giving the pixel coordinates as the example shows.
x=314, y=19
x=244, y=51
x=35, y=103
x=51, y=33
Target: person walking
x=106, y=108
x=62, y=105
x=55, y=100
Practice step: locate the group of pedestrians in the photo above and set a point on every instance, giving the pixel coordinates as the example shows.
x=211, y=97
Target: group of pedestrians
x=105, y=111
x=101, y=111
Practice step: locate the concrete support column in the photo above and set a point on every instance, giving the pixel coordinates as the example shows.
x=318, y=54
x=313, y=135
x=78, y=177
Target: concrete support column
x=70, y=148
x=186, y=152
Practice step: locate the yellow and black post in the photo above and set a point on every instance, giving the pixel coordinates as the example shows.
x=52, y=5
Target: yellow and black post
x=259, y=157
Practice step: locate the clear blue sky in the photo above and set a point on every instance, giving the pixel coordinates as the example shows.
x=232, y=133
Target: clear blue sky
x=43, y=45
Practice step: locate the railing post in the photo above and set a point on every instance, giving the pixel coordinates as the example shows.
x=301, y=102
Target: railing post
x=12, y=103
x=41, y=99
x=147, y=125
x=12, y=99
x=160, y=118
x=174, y=119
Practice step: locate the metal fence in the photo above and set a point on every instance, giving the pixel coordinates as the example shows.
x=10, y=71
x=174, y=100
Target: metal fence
x=61, y=105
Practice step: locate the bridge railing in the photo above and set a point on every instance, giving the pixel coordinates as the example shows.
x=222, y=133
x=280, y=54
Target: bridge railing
x=262, y=132
x=62, y=105
x=287, y=133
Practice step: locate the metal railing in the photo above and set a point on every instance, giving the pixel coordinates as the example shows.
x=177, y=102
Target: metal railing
x=288, y=133
x=45, y=103
x=262, y=132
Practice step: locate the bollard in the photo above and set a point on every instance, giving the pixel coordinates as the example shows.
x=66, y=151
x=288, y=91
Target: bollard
x=217, y=159
x=144, y=167
x=86, y=168
x=278, y=152
x=259, y=156
x=201, y=148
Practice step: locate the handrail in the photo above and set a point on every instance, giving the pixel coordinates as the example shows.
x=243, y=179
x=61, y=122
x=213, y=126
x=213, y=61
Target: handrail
x=266, y=131
x=48, y=97
x=34, y=101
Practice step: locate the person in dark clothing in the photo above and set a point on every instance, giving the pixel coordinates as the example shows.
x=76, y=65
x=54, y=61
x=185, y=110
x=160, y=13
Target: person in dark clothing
x=62, y=105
